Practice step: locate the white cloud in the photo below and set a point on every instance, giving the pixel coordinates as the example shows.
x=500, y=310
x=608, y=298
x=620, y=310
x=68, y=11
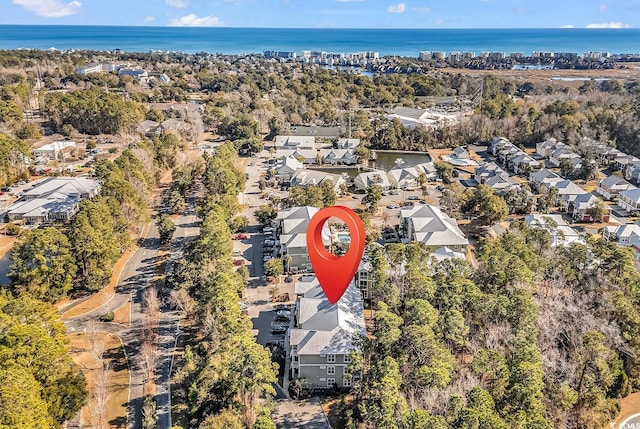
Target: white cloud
x=609, y=25
x=397, y=8
x=568, y=26
x=150, y=19
x=181, y=4
x=602, y=7
x=423, y=9
x=438, y=21
x=50, y=8
x=192, y=20
x=349, y=1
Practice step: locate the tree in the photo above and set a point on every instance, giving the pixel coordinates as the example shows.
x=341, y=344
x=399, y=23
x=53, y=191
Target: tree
x=166, y=227
x=94, y=242
x=226, y=419
x=21, y=404
x=597, y=211
x=373, y=197
x=176, y=202
x=329, y=196
x=273, y=267
x=445, y=171
x=265, y=215
x=43, y=265
x=238, y=224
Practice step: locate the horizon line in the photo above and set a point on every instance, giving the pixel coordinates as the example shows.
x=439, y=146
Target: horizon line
x=322, y=28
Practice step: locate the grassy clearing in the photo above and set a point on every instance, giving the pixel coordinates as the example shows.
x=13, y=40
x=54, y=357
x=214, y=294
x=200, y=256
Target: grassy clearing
x=116, y=377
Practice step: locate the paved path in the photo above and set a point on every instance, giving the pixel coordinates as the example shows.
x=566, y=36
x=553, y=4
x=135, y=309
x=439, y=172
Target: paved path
x=137, y=276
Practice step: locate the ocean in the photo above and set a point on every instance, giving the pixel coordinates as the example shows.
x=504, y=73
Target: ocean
x=403, y=42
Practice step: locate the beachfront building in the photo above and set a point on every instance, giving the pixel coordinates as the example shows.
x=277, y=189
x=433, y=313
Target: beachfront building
x=429, y=225
x=319, y=344
x=53, y=199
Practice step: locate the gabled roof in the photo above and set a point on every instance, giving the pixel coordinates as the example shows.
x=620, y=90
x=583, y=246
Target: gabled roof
x=539, y=176
x=616, y=182
x=369, y=178
x=567, y=187
x=303, y=177
x=585, y=201
x=632, y=195
x=329, y=329
x=63, y=185
x=625, y=230
x=409, y=112
x=432, y=227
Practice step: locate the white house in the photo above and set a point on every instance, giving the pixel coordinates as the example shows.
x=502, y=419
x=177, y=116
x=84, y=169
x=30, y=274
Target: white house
x=365, y=180
x=56, y=150
x=547, y=147
x=543, y=177
x=429, y=225
x=487, y=170
x=295, y=142
x=338, y=156
x=629, y=200
x=307, y=156
x=287, y=166
x=412, y=118
x=624, y=235
x=347, y=143
x=303, y=178
x=559, y=230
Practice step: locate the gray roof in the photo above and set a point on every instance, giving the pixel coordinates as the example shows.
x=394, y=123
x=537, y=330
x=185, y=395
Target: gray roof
x=328, y=329
x=408, y=112
x=633, y=195
x=433, y=227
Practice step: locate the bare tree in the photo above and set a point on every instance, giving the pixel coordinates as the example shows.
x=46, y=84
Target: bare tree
x=100, y=397
x=148, y=359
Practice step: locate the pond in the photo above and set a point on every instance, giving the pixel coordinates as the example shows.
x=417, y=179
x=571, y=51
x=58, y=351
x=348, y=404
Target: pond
x=387, y=160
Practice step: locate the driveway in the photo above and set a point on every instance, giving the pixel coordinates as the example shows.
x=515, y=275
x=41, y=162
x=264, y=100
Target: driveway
x=306, y=414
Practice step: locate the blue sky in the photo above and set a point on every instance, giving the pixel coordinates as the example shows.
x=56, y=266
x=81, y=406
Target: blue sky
x=328, y=13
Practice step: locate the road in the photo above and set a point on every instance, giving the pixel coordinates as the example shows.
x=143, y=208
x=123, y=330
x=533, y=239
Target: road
x=137, y=276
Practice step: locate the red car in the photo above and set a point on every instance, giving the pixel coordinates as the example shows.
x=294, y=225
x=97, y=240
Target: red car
x=241, y=237
x=238, y=262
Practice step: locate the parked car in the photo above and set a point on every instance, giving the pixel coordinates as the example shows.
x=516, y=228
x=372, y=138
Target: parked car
x=283, y=318
x=283, y=307
x=390, y=206
x=422, y=202
x=268, y=243
x=283, y=312
x=238, y=262
x=278, y=329
x=413, y=197
x=241, y=237
x=266, y=258
x=393, y=192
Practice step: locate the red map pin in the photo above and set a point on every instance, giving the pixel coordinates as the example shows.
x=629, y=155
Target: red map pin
x=334, y=273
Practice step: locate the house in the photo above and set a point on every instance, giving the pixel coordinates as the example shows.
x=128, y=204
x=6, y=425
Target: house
x=150, y=129
x=625, y=235
x=347, y=143
x=559, y=230
x=630, y=200
x=558, y=156
x=543, y=177
x=623, y=161
x=364, y=278
x=487, y=170
x=287, y=166
x=295, y=142
x=522, y=163
x=429, y=225
x=502, y=183
x=547, y=147
x=56, y=150
x=54, y=199
x=319, y=345
x=611, y=186
x=365, y=180
x=173, y=125
x=409, y=178
x=307, y=156
x=338, y=156
x=428, y=169
x=292, y=229
x=498, y=143
x=581, y=205
x=303, y=178
x=460, y=153
x=567, y=191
